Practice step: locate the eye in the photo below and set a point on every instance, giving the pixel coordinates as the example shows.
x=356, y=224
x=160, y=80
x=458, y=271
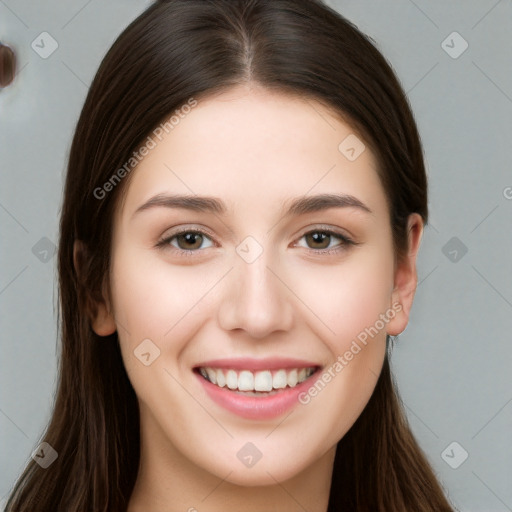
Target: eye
x=321, y=241
x=187, y=241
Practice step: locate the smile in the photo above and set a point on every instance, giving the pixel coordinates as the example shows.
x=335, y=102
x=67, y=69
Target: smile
x=256, y=389
x=256, y=383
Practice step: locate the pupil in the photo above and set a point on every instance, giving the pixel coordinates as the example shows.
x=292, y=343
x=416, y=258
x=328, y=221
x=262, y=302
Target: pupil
x=319, y=237
x=189, y=238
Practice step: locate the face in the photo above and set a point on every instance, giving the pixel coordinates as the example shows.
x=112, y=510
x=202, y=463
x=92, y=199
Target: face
x=254, y=325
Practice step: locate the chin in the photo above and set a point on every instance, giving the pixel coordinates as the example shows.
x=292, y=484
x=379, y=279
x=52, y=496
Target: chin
x=264, y=476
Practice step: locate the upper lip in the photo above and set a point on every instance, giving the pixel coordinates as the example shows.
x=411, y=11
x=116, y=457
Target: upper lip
x=251, y=364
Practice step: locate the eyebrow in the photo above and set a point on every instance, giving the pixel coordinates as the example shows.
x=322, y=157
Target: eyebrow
x=297, y=206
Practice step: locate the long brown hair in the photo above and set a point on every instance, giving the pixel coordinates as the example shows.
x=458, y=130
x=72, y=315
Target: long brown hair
x=176, y=50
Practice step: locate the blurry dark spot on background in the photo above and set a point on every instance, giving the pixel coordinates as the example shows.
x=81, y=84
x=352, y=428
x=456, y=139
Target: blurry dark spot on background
x=7, y=65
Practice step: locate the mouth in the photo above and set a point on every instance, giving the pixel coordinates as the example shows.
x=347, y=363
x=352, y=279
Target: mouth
x=256, y=389
x=259, y=383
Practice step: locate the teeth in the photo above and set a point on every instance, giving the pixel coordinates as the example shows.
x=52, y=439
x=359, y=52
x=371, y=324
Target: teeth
x=279, y=380
x=246, y=381
x=232, y=379
x=221, y=379
x=261, y=381
x=292, y=378
x=212, y=375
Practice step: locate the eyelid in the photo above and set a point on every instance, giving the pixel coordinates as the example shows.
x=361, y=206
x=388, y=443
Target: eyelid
x=345, y=240
x=164, y=241
x=326, y=228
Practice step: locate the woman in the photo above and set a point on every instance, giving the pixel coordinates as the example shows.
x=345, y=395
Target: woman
x=243, y=208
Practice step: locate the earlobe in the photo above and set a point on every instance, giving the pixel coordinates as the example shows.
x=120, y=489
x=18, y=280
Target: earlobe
x=98, y=310
x=406, y=279
x=103, y=323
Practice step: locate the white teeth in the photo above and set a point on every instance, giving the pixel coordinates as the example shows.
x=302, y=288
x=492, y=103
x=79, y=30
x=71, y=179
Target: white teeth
x=221, y=379
x=279, y=380
x=245, y=381
x=212, y=375
x=292, y=378
x=232, y=379
x=261, y=381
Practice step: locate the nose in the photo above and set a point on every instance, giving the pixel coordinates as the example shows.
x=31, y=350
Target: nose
x=256, y=298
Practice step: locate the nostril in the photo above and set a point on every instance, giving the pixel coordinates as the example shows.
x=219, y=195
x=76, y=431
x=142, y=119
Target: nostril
x=7, y=65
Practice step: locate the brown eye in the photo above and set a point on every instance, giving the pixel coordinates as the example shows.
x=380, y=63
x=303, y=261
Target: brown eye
x=185, y=242
x=189, y=240
x=318, y=239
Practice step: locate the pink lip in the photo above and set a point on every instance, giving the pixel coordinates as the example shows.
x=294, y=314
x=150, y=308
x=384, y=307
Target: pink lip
x=247, y=363
x=253, y=407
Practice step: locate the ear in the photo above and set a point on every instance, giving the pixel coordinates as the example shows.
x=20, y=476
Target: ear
x=98, y=309
x=406, y=279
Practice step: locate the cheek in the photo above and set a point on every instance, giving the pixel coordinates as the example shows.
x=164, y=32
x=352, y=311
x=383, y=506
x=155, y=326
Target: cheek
x=151, y=296
x=155, y=300
x=345, y=299
x=351, y=302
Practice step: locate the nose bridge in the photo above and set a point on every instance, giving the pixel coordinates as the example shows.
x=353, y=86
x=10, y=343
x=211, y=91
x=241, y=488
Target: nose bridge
x=256, y=300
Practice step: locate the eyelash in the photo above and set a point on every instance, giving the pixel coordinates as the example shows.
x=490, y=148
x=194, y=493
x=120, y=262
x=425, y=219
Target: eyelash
x=165, y=244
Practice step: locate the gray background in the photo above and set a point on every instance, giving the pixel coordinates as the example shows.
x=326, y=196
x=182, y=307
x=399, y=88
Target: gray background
x=453, y=362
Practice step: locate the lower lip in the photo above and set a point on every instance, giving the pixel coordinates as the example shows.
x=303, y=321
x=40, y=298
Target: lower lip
x=255, y=407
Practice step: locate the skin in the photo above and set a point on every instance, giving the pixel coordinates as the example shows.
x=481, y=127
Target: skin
x=256, y=150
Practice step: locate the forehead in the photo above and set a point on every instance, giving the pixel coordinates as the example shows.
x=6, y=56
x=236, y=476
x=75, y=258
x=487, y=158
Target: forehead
x=251, y=146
